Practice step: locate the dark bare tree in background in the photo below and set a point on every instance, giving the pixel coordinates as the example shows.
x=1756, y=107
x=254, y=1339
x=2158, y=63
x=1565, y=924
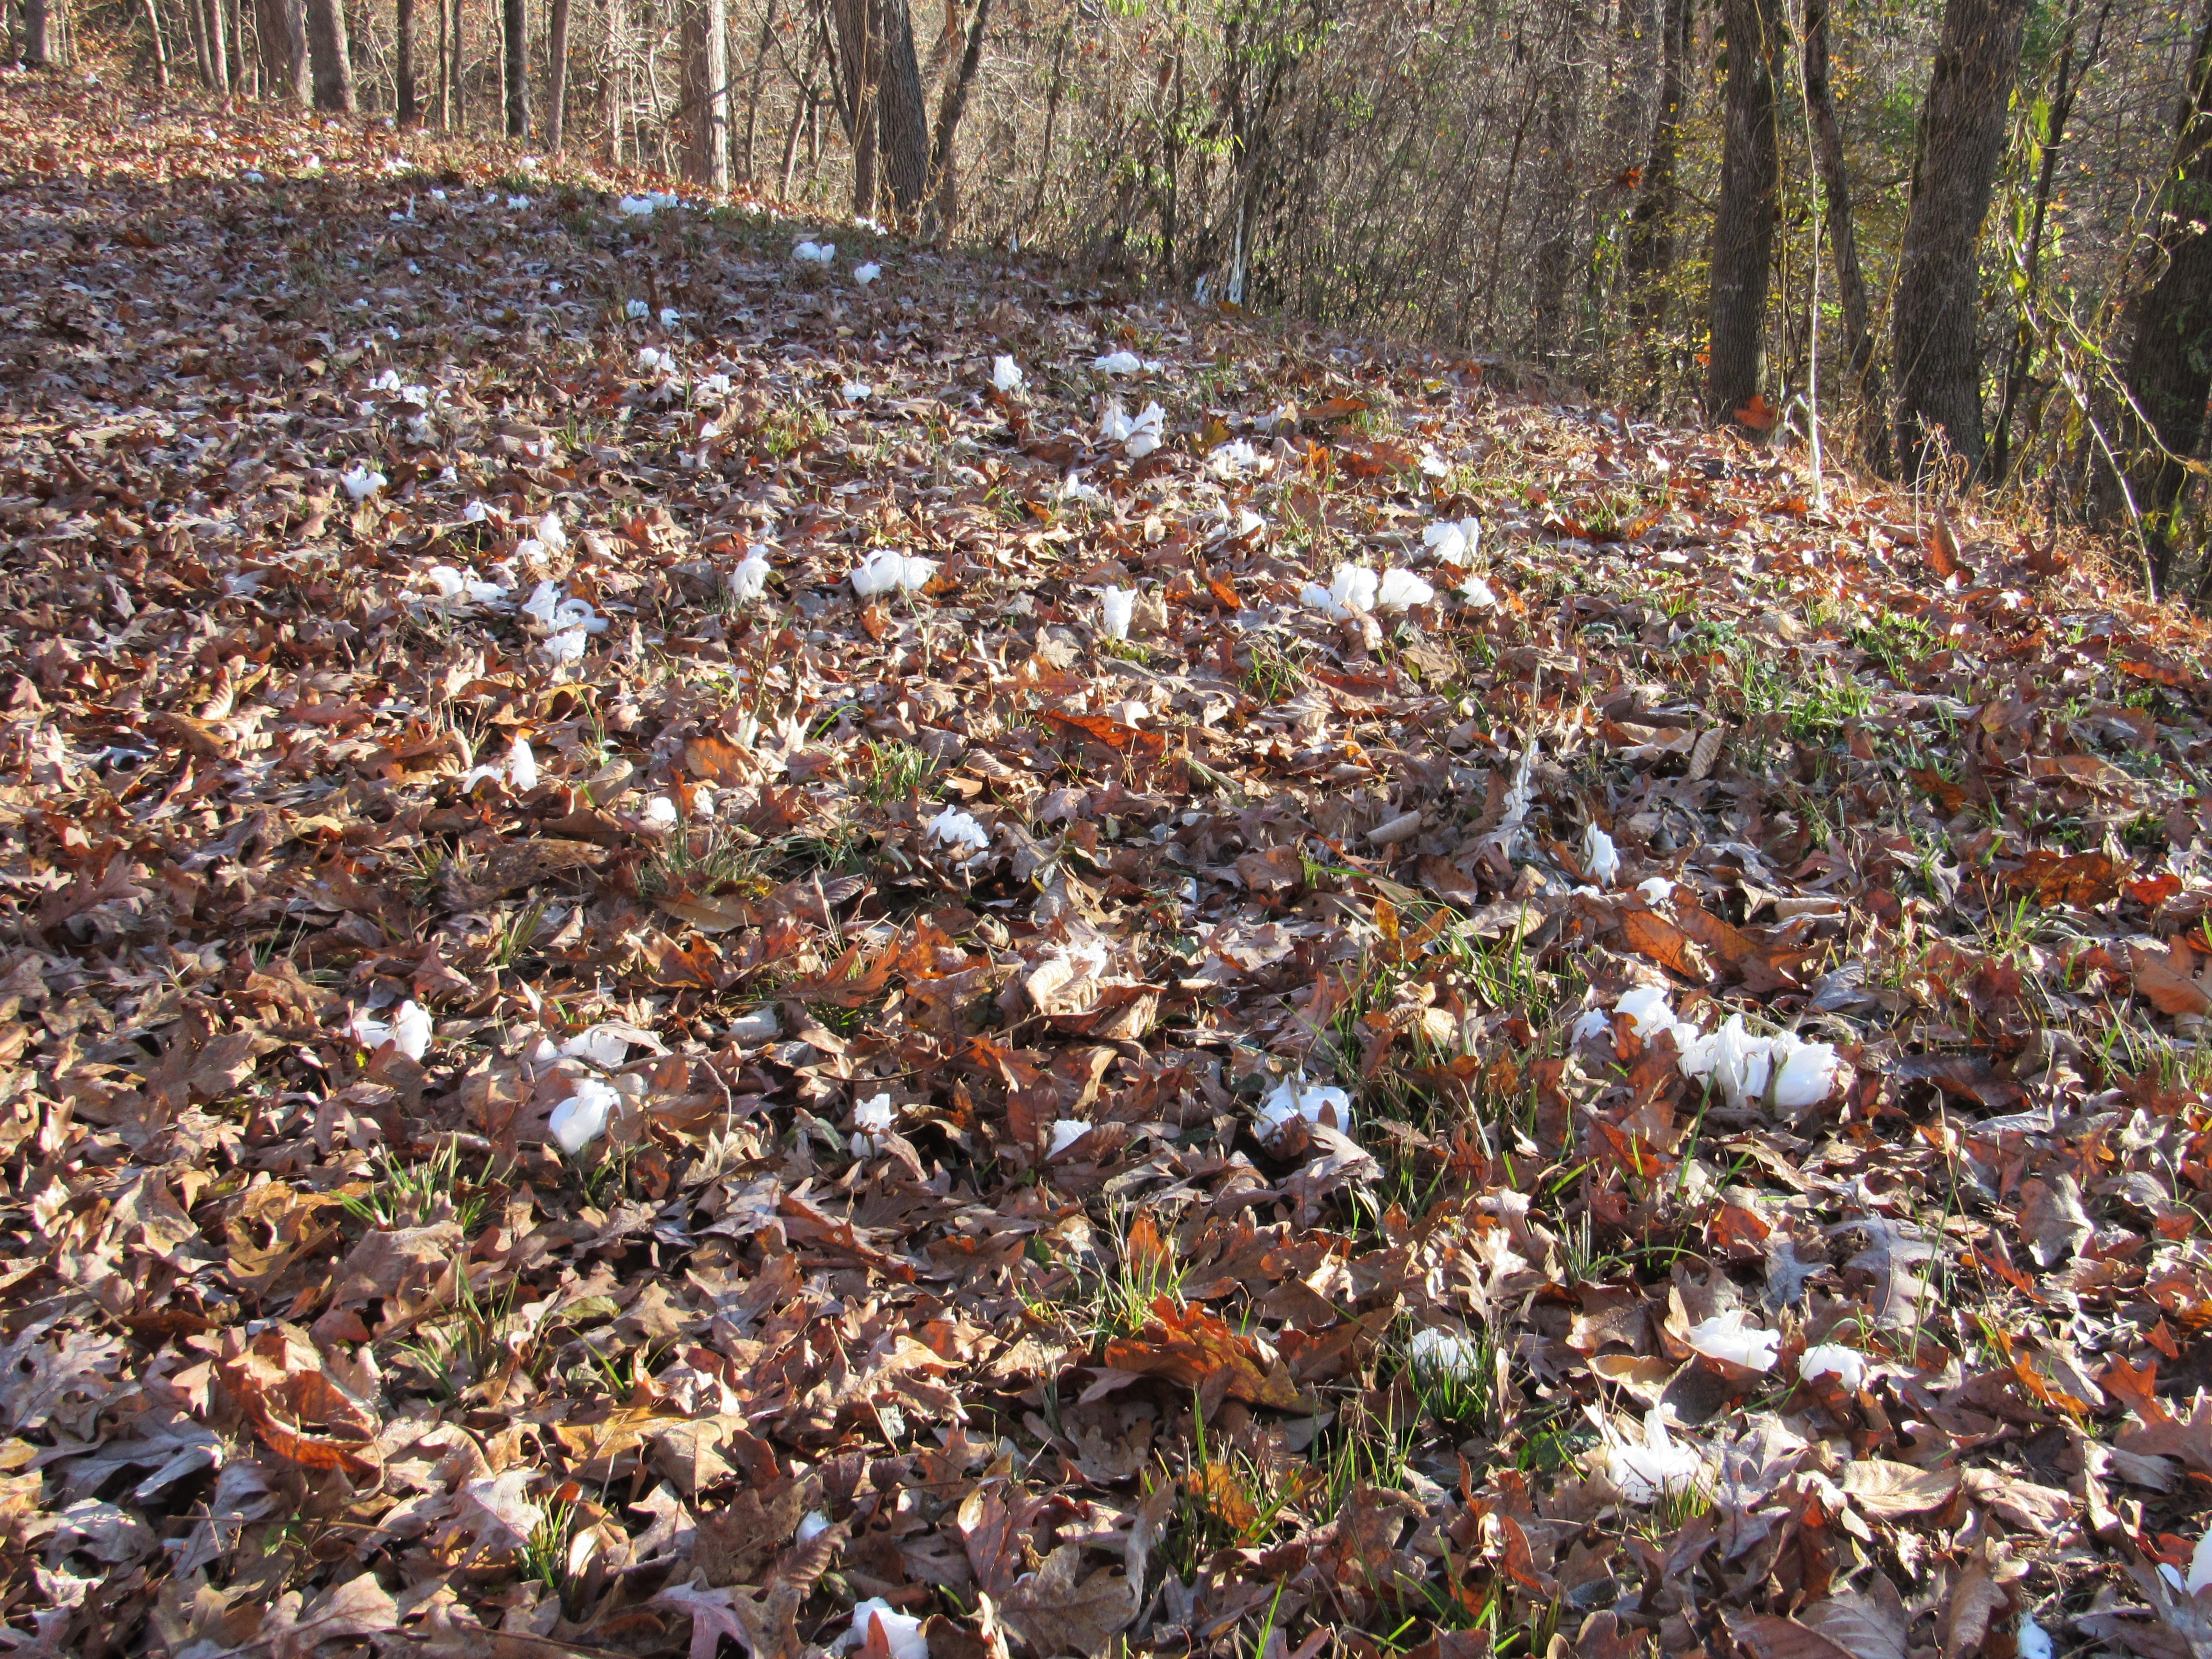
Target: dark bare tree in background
x=1936, y=331
x=556, y=79
x=333, y=57
x=707, y=94
x=514, y=57
x=1743, y=222
x=280, y=36
x=403, y=62
x=2169, y=365
x=1863, y=380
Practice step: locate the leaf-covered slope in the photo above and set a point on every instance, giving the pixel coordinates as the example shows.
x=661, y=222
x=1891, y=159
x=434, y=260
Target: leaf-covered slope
x=1347, y=1010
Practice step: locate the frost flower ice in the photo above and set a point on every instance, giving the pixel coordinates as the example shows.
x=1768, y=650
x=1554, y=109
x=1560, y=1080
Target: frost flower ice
x=1444, y=1356
x=1294, y=1098
x=1732, y=1337
x=1477, y=592
x=815, y=253
x=362, y=482
x=954, y=828
x=901, y=1631
x=1119, y=608
x=1644, y=1007
x=1064, y=1133
x=1600, y=861
x=871, y=1121
x=1454, y=541
x=1401, y=590
x=1235, y=459
x=636, y=207
x=749, y=579
x=1808, y=1074
x=582, y=1119
x=1139, y=436
x=409, y=1031
x=518, y=770
x=867, y=273
x=1118, y=363
x=637, y=310
x=886, y=570
x=1647, y=1472
x=1006, y=375
x=1846, y=1365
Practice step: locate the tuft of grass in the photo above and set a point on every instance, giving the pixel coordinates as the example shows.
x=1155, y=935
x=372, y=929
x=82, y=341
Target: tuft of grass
x=700, y=862
x=895, y=770
x=1274, y=674
x=401, y=1196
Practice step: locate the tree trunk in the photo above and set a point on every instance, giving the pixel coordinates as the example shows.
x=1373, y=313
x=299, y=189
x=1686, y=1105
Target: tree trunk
x=1650, y=259
x=759, y=76
x=706, y=94
x=196, y=26
x=556, y=90
x=38, y=35
x=2053, y=135
x=860, y=52
x=1743, y=225
x=905, y=113
x=944, y=192
x=404, y=63
x=333, y=60
x=211, y=20
x=1864, y=383
x=233, y=27
x=1962, y=135
x=160, y=47
x=2170, y=369
x=1556, y=219
x=457, y=72
x=609, y=87
x=514, y=29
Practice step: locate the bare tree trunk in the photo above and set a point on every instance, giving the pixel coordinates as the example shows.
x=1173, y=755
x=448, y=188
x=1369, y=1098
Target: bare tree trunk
x=1962, y=135
x=38, y=35
x=706, y=94
x=408, y=113
x=195, y=32
x=1650, y=259
x=1863, y=381
x=196, y=26
x=1743, y=225
x=333, y=60
x=556, y=90
x=610, y=89
x=860, y=48
x=233, y=33
x=905, y=113
x=760, y=74
x=2169, y=372
x=798, y=108
x=160, y=47
x=945, y=189
x=514, y=29
x=1052, y=96
x=211, y=21
x=1556, y=221
x=456, y=68
x=2053, y=135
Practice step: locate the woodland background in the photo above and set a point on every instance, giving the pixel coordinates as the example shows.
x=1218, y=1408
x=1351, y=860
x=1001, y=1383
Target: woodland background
x=1610, y=193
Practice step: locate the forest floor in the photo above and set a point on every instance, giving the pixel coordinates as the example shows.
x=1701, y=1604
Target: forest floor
x=570, y=1083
